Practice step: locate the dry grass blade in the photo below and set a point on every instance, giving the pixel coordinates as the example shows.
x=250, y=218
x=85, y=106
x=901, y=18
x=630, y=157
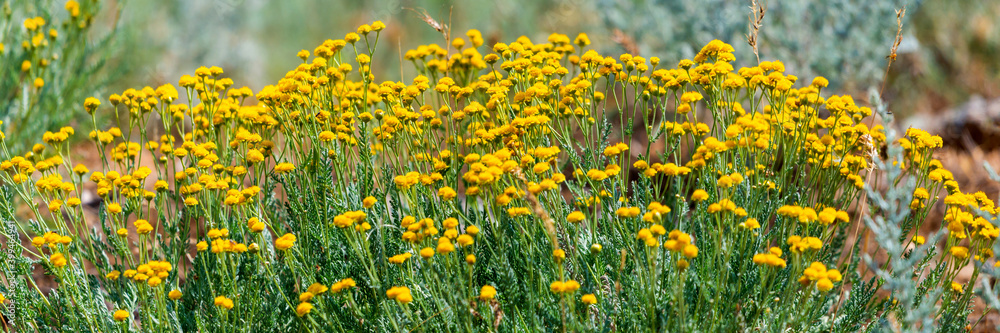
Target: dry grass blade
x=440, y=27
x=497, y=314
x=900, y=13
x=625, y=41
x=539, y=211
x=756, y=17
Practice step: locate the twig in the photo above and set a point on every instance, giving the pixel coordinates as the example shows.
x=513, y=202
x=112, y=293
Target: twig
x=756, y=17
x=442, y=28
x=625, y=41
x=900, y=13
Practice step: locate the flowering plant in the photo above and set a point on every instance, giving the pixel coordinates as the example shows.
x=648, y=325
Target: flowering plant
x=540, y=186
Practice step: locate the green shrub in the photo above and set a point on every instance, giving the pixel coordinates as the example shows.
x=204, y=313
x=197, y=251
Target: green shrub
x=490, y=193
x=51, y=59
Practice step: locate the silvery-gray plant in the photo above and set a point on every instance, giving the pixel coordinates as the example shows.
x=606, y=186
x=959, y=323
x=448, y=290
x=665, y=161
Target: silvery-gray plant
x=848, y=37
x=914, y=307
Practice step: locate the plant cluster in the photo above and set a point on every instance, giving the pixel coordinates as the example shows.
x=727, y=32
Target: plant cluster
x=488, y=193
x=50, y=58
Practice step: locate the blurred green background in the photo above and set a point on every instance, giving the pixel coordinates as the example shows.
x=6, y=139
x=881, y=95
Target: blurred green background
x=949, y=51
x=950, y=48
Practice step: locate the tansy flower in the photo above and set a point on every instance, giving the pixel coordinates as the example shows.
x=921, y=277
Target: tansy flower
x=399, y=259
x=369, y=201
x=282, y=168
x=772, y=258
x=589, y=299
x=114, y=208
x=558, y=255
x=959, y=252
x=400, y=294
x=284, y=242
x=699, y=195
x=465, y=240
x=254, y=156
x=224, y=302
x=58, y=260
x=447, y=193
x=472, y=230
x=142, y=227
x=750, y=224
x=823, y=277
x=581, y=40
x=174, y=294
x=121, y=315
x=303, y=308
x=487, y=293
x=575, y=217
x=426, y=253
x=564, y=287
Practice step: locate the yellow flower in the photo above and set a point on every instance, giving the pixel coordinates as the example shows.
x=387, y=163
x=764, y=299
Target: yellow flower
x=254, y=156
x=575, y=217
x=284, y=242
x=303, y=308
x=224, y=302
x=750, y=224
x=589, y=299
x=121, y=315
x=58, y=260
x=90, y=104
x=142, y=227
x=820, y=82
x=699, y=195
x=691, y=97
x=558, y=255
x=318, y=288
x=400, y=294
x=581, y=40
x=174, y=294
x=564, y=287
x=368, y=202
x=114, y=208
x=487, y=293
x=444, y=246
x=282, y=168
x=472, y=230
x=202, y=246
x=959, y=252
x=399, y=259
x=447, y=193
x=427, y=252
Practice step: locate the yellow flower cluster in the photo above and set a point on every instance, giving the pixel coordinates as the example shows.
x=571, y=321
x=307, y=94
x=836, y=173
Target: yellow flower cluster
x=822, y=277
x=564, y=287
x=771, y=258
x=153, y=273
x=401, y=294
x=799, y=244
